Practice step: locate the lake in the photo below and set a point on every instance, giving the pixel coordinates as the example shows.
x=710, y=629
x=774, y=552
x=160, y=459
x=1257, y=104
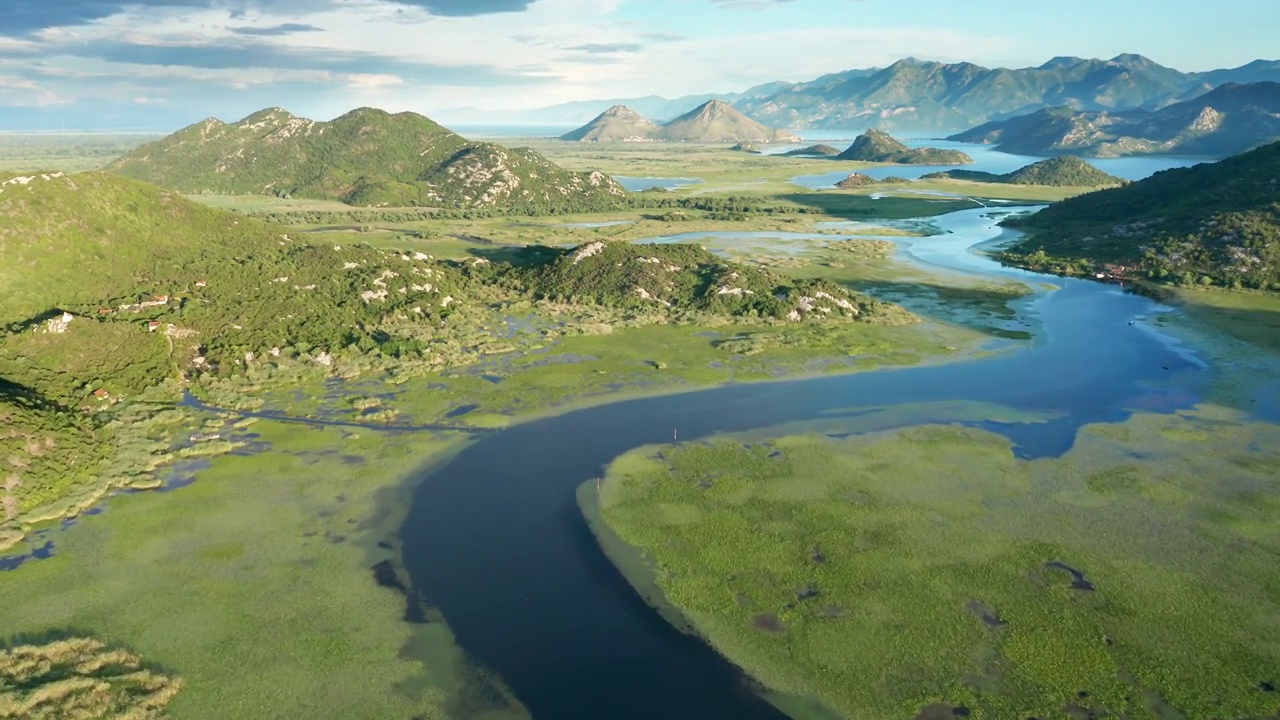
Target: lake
x=494, y=539
x=986, y=159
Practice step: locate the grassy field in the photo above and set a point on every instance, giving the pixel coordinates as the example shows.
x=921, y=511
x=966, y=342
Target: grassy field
x=255, y=585
x=68, y=152
x=928, y=567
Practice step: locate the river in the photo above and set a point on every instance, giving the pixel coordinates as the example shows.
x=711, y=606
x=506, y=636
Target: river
x=496, y=542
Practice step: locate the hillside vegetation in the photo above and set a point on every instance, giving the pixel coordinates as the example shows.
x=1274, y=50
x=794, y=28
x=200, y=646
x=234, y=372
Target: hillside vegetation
x=117, y=291
x=686, y=278
x=879, y=146
x=366, y=157
x=1061, y=171
x=1211, y=224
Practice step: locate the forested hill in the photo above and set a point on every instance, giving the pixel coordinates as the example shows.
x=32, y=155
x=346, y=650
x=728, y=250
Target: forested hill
x=366, y=157
x=1211, y=224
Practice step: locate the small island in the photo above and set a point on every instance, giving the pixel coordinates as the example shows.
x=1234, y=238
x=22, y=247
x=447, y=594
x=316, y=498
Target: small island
x=881, y=147
x=1061, y=171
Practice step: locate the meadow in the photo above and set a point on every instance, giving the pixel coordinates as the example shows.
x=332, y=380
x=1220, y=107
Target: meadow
x=927, y=569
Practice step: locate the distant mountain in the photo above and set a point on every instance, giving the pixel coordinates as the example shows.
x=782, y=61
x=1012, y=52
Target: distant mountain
x=819, y=150
x=1227, y=120
x=879, y=146
x=919, y=95
x=366, y=157
x=1211, y=224
x=1061, y=171
x=715, y=121
x=659, y=108
x=617, y=124
x=718, y=121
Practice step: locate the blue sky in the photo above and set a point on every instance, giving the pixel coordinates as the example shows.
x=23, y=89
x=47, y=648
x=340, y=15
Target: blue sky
x=182, y=60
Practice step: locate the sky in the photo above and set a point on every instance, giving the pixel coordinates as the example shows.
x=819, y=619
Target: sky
x=158, y=62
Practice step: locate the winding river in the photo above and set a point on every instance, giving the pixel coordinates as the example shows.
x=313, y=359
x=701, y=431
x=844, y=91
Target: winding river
x=496, y=542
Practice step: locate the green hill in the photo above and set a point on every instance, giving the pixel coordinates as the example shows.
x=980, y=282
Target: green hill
x=1061, y=171
x=366, y=157
x=879, y=146
x=1211, y=224
x=687, y=278
x=820, y=150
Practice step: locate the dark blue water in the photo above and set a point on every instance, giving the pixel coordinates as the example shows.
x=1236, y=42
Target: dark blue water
x=496, y=542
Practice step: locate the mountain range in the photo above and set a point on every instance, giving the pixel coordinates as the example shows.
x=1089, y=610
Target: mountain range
x=366, y=157
x=1227, y=120
x=714, y=121
x=914, y=94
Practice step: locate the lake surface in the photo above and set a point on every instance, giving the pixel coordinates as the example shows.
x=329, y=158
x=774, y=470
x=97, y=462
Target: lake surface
x=987, y=159
x=495, y=540
x=639, y=184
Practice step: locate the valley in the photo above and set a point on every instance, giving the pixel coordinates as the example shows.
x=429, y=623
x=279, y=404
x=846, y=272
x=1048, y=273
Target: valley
x=472, y=367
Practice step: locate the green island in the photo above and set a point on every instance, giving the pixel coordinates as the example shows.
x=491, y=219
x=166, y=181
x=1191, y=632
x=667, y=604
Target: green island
x=881, y=147
x=384, y=308
x=1060, y=171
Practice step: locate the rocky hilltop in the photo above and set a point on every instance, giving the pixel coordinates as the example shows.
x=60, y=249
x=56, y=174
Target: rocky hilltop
x=1211, y=224
x=1061, y=171
x=366, y=157
x=617, y=124
x=714, y=121
x=1228, y=120
x=879, y=146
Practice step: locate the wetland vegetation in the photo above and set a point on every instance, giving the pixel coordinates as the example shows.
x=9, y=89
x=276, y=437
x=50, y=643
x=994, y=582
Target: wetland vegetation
x=275, y=579
x=889, y=572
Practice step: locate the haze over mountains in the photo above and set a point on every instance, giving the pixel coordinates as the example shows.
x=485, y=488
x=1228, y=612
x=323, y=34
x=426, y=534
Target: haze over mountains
x=366, y=157
x=922, y=95
x=711, y=122
x=1227, y=120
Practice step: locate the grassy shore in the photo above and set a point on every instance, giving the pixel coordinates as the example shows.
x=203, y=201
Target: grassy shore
x=895, y=571
x=254, y=585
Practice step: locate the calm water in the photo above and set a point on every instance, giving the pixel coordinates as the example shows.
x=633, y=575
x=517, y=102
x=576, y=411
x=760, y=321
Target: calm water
x=495, y=540
x=986, y=159
x=638, y=184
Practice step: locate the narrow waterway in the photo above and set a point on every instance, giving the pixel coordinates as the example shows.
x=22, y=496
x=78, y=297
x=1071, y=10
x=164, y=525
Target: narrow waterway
x=495, y=540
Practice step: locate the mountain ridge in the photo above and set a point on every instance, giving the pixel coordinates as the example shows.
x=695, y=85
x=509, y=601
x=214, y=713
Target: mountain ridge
x=1227, y=120
x=363, y=157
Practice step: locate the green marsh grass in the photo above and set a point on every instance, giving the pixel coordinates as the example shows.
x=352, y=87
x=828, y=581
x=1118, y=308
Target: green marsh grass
x=888, y=572
x=255, y=585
